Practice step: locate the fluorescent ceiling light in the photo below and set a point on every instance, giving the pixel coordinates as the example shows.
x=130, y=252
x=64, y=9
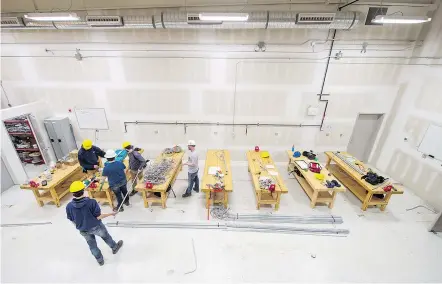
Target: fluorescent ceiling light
x=398, y=19
x=225, y=17
x=52, y=17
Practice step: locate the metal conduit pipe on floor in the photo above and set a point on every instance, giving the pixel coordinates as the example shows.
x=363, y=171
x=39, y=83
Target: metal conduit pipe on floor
x=249, y=227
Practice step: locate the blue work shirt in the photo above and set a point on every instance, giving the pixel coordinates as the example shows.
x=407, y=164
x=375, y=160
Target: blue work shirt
x=84, y=212
x=115, y=174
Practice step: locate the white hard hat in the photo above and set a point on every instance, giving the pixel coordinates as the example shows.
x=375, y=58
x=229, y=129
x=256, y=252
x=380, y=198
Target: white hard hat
x=110, y=154
x=191, y=143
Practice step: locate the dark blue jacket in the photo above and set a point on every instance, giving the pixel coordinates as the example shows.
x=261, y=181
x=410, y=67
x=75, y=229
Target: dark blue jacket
x=84, y=212
x=89, y=158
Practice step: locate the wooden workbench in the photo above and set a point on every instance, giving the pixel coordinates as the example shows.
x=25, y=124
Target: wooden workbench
x=360, y=188
x=162, y=188
x=315, y=189
x=259, y=166
x=221, y=159
x=58, y=187
x=103, y=193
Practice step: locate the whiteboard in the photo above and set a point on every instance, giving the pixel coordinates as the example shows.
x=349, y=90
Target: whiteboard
x=91, y=118
x=432, y=142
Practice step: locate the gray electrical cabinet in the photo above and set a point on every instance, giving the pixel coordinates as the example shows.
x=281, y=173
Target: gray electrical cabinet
x=61, y=135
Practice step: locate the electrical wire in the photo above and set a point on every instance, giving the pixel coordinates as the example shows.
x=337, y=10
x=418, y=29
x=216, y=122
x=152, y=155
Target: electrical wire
x=6, y=95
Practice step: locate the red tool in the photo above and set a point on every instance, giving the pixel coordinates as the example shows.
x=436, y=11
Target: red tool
x=34, y=184
x=256, y=148
x=315, y=167
x=149, y=185
x=388, y=188
x=272, y=188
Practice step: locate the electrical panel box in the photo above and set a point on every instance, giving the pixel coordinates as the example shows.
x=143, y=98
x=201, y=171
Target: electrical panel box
x=312, y=111
x=61, y=135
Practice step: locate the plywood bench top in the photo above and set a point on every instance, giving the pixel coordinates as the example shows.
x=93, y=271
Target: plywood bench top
x=259, y=166
x=221, y=159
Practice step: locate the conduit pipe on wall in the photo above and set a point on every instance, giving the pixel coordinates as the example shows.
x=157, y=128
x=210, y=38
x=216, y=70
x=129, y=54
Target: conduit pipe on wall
x=187, y=124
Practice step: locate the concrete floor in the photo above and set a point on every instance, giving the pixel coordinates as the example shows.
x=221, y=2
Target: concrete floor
x=390, y=246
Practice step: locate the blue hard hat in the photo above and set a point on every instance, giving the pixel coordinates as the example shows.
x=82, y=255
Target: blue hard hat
x=297, y=154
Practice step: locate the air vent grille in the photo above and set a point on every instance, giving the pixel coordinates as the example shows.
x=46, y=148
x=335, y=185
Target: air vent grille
x=104, y=21
x=11, y=22
x=315, y=18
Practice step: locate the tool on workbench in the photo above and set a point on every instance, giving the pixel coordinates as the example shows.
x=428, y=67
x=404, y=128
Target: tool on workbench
x=297, y=154
x=314, y=167
x=293, y=148
x=309, y=154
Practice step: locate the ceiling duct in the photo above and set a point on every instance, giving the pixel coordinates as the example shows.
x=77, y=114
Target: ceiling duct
x=11, y=22
x=183, y=20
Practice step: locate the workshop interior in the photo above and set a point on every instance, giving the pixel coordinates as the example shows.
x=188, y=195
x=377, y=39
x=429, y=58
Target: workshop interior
x=223, y=140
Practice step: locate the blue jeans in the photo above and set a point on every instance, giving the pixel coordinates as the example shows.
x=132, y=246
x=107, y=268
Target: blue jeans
x=102, y=232
x=194, y=182
x=120, y=192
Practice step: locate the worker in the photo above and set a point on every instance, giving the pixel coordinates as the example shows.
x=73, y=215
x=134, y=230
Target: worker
x=116, y=176
x=86, y=215
x=88, y=156
x=192, y=170
x=136, y=164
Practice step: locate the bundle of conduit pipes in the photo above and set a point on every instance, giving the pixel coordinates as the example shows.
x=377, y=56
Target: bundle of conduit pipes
x=234, y=226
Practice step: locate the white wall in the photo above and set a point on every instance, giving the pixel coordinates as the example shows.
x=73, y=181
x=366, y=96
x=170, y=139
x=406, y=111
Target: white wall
x=270, y=88
x=417, y=106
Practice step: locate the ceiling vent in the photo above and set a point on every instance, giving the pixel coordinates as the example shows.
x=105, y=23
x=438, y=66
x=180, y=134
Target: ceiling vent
x=315, y=18
x=11, y=22
x=104, y=21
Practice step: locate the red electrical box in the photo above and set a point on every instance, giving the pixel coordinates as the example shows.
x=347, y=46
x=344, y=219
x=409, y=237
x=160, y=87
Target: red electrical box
x=149, y=185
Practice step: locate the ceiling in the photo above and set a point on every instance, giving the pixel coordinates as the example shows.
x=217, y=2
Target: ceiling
x=10, y=6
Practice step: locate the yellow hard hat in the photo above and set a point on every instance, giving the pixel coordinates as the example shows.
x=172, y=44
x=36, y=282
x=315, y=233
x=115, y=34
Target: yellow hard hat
x=76, y=186
x=126, y=143
x=87, y=144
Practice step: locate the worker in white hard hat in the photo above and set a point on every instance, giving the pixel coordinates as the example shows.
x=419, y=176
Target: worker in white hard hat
x=192, y=165
x=116, y=176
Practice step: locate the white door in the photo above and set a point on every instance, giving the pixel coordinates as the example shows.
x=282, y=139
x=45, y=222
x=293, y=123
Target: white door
x=364, y=134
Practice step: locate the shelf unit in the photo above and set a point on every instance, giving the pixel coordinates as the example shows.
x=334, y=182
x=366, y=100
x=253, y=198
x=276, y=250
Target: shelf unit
x=27, y=136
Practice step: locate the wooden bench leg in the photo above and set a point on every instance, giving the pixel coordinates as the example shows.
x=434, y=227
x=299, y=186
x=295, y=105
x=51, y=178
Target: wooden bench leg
x=163, y=199
x=110, y=198
x=258, y=200
x=314, y=198
x=146, y=203
x=207, y=199
x=367, y=201
x=278, y=199
x=332, y=203
x=226, y=201
x=328, y=162
x=387, y=199
x=37, y=197
x=54, y=196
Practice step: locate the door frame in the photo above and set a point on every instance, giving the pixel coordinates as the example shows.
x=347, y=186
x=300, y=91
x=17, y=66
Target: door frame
x=379, y=130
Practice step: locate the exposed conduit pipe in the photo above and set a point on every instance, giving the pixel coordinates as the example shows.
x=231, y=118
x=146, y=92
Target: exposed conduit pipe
x=186, y=124
x=326, y=68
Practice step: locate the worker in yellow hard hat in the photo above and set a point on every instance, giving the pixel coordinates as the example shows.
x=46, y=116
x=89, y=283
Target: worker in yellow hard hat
x=88, y=155
x=86, y=214
x=136, y=164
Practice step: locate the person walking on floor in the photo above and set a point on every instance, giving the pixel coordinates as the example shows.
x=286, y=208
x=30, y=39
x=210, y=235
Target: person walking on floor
x=136, y=164
x=192, y=165
x=88, y=156
x=116, y=176
x=86, y=214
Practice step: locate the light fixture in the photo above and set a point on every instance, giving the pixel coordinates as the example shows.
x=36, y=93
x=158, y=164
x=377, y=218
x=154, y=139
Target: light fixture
x=398, y=19
x=52, y=17
x=225, y=17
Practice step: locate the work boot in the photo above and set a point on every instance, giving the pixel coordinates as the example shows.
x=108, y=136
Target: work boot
x=132, y=193
x=187, y=195
x=116, y=209
x=101, y=262
x=119, y=245
x=197, y=190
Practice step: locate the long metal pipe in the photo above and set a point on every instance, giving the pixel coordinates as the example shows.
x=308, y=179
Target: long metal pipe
x=186, y=124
